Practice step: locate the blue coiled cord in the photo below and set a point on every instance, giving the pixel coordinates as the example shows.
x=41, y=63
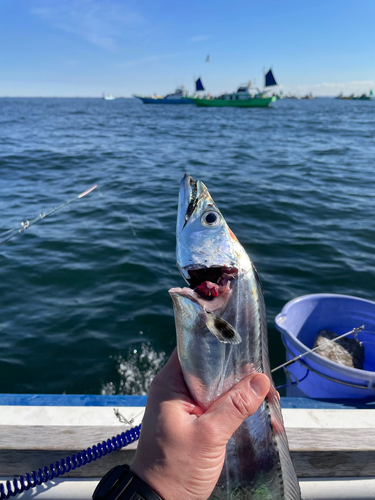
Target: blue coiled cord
x=24, y=483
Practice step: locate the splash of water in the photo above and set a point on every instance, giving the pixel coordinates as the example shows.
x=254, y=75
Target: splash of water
x=137, y=370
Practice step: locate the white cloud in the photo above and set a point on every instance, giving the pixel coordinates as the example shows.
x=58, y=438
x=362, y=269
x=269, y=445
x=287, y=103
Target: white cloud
x=200, y=38
x=98, y=21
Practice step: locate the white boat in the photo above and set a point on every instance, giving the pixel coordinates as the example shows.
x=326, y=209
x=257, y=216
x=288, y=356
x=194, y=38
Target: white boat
x=332, y=445
x=108, y=97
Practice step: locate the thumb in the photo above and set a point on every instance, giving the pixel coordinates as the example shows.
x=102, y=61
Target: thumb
x=230, y=410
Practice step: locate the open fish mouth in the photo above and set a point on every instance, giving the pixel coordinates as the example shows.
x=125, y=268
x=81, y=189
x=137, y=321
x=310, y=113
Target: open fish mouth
x=211, y=282
x=210, y=288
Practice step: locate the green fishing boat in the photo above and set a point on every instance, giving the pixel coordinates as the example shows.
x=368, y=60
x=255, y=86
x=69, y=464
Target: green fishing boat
x=249, y=102
x=243, y=98
x=353, y=97
x=363, y=97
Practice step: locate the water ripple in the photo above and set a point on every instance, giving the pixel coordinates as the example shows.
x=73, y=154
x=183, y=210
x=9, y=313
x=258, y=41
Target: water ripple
x=83, y=290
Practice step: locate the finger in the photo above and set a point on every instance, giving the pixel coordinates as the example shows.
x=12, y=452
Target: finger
x=230, y=410
x=172, y=365
x=171, y=371
x=169, y=382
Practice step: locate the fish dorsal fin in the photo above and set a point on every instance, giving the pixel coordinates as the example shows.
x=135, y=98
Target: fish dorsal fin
x=222, y=330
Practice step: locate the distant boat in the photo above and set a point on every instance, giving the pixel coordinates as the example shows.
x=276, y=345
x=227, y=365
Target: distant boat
x=363, y=97
x=341, y=96
x=242, y=98
x=353, y=97
x=108, y=97
x=180, y=96
x=308, y=96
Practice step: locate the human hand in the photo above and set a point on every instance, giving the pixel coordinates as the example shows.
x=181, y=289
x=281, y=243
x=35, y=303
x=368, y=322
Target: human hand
x=182, y=448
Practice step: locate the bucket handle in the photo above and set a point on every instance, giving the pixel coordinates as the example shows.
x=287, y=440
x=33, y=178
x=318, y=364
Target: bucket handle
x=289, y=376
x=370, y=384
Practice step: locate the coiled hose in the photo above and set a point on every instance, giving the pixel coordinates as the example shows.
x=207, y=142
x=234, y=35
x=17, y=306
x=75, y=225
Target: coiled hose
x=58, y=468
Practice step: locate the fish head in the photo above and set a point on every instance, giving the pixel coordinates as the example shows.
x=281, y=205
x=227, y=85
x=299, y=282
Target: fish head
x=204, y=239
x=209, y=256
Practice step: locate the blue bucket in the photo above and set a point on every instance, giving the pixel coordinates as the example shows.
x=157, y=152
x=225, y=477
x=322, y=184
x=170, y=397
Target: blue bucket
x=302, y=319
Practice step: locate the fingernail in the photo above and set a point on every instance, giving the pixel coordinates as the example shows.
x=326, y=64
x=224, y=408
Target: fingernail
x=259, y=384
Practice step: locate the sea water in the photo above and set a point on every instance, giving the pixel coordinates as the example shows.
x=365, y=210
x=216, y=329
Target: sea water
x=84, y=304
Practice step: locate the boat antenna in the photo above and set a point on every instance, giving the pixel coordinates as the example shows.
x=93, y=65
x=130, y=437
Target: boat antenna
x=11, y=233
x=355, y=331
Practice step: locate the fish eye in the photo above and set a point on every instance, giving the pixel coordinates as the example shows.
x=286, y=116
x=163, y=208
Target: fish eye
x=211, y=219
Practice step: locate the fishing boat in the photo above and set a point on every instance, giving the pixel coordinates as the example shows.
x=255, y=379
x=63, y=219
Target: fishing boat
x=353, y=97
x=332, y=444
x=363, y=97
x=108, y=97
x=243, y=97
x=180, y=96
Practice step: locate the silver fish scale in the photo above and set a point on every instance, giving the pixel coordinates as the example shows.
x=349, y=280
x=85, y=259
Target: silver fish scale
x=252, y=468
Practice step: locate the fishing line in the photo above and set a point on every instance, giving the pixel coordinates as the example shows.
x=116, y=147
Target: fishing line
x=131, y=225
x=167, y=267
x=354, y=331
x=11, y=233
x=138, y=238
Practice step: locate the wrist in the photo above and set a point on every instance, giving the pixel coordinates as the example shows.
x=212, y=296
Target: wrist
x=121, y=483
x=157, y=479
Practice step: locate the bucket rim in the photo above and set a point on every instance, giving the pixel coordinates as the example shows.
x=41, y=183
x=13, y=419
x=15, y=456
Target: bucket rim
x=323, y=295
x=317, y=358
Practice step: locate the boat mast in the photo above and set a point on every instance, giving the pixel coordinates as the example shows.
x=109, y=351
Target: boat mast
x=264, y=79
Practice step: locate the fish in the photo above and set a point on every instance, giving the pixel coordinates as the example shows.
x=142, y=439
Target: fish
x=221, y=331
x=346, y=351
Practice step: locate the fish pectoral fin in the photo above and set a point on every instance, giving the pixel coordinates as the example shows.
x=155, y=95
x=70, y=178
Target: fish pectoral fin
x=222, y=330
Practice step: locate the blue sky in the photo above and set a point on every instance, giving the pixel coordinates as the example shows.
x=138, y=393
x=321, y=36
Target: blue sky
x=87, y=47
